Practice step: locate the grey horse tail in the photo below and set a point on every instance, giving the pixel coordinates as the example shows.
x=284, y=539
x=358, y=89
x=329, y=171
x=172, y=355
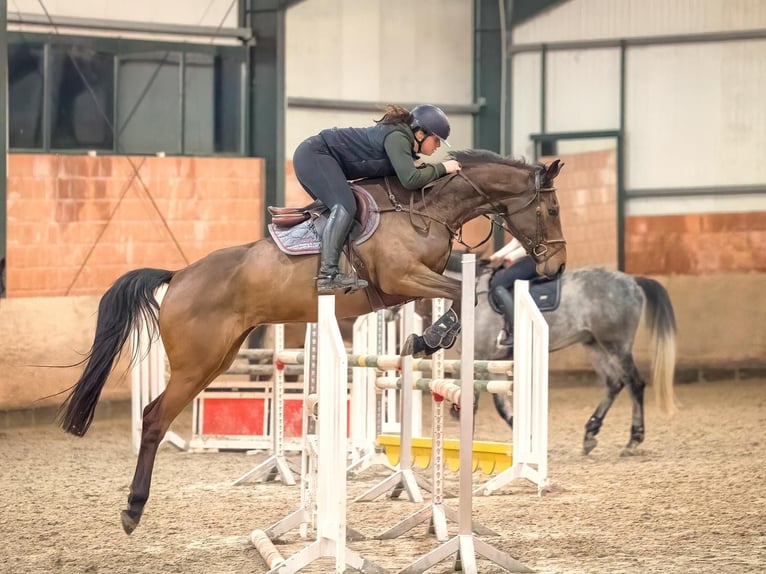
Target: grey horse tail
x=661, y=321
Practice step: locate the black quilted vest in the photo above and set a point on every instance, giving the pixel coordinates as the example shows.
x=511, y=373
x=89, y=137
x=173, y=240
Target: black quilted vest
x=360, y=151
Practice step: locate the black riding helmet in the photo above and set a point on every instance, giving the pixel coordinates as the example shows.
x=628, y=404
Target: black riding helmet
x=431, y=120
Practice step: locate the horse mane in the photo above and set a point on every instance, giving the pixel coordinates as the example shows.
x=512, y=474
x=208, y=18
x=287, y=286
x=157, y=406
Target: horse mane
x=476, y=156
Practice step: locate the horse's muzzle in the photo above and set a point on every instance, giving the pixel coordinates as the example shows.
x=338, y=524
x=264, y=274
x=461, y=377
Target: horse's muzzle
x=554, y=265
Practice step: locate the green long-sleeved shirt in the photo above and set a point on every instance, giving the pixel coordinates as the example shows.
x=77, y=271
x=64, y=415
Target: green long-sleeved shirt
x=399, y=150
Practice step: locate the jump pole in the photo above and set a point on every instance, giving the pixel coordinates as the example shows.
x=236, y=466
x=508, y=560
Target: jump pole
x=303, y=517
x=436, y=513
x=465, y=546
x=276, y=464
x=404, y=478
x=366, y=403
x=147, y=379
x=332, y=368
x=530, y=397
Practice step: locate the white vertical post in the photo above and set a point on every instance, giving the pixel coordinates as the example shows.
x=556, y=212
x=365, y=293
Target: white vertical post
x=148, y=379
x=332, y=366
x=362, y=428
x=530, y=390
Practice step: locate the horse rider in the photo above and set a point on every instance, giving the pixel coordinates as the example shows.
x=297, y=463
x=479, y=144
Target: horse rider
x=325, y=163
x=511, y=262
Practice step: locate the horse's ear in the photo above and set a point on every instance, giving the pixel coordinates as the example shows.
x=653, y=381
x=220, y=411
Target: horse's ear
x=552, y=171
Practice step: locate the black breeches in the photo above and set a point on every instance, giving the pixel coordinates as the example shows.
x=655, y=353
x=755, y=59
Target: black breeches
x=321, y=175
x=524, y=268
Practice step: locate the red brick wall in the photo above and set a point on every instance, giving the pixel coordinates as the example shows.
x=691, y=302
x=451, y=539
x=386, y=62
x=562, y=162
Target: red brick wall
x=696, y=244
x=587, y=192
x=76, y=223
x=690, y=244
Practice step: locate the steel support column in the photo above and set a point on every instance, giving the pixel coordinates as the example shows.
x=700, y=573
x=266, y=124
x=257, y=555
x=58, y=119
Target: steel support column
x=3, y=138
x=266, y=93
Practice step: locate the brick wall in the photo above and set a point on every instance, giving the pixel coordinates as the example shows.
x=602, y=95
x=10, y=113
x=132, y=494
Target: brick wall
x=76, y=223
x=696, y=244
x=587, y=192
x=690, y=244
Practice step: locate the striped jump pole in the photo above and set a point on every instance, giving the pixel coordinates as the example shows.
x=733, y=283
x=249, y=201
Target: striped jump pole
x=403, y=479
x=332, y=388
x=465, y=545
x=276, y=464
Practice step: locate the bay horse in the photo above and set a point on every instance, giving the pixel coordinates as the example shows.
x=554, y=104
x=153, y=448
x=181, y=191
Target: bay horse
x=211, y=306
x=601, y=310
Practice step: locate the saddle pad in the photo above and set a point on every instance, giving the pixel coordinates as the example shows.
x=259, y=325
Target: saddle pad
x=546, y=293
x=306, y=238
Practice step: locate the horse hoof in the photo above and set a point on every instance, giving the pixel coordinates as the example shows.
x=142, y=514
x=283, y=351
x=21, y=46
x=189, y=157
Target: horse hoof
x=128, y=522
x=409, y=346
x=416, y=346
x=588, y=445
x=631, y=450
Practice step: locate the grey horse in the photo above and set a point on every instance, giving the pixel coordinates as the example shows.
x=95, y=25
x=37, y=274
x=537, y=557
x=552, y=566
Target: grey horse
x=601, y=310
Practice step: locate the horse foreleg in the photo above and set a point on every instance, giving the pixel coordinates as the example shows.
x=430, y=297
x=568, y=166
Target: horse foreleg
x=636, y=385
x=442, y=334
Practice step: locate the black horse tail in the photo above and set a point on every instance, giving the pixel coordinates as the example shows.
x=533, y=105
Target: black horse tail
x=661, y=321
x=127, y=305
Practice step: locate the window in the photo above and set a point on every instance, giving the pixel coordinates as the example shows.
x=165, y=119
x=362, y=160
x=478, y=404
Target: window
x=149, y=103
x=124, y=96
x=82, y=92
x=25, y=94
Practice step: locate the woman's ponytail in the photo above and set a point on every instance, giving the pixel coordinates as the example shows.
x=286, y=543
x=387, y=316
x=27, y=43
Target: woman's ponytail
x=395, y=115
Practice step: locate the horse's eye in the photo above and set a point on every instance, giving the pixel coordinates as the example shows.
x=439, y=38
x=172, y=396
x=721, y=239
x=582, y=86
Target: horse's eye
x=553, y=211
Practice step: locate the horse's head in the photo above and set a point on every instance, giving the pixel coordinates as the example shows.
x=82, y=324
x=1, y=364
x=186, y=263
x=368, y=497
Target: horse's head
x=524, y=197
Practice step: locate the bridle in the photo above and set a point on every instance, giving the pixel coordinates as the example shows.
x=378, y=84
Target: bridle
x=538, y=246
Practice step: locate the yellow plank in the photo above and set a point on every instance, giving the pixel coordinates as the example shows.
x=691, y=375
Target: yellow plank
x=487, y=456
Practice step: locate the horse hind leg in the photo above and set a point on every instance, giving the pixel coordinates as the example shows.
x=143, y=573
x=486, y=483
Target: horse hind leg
x=637, y=386
x=157, y=417
x=596, y=420
x=194, y=363
x=611, y=371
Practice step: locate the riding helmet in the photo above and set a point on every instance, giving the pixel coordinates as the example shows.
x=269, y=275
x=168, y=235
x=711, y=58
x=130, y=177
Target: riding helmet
x=431, y=120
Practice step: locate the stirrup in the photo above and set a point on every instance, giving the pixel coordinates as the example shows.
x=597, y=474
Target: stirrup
x=327, y=285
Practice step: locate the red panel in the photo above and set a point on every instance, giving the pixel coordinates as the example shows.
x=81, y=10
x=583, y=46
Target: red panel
x=293, y=417
x=244, y=416
x=234, y=416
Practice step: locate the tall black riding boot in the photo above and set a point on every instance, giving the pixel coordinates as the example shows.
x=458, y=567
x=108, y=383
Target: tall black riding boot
x=333, y=239
x=505, y=301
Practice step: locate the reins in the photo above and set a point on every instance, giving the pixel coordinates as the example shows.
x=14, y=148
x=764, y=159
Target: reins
x=538, y=245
